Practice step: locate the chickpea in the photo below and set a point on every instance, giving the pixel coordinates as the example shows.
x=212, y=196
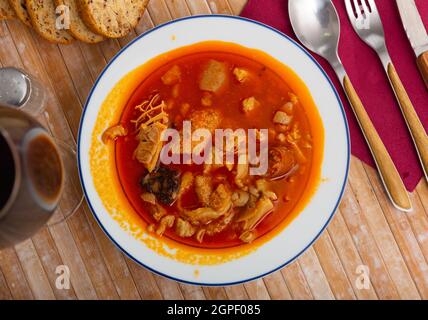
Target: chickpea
x=281, y=138
x=207, y=99
x=287, y=108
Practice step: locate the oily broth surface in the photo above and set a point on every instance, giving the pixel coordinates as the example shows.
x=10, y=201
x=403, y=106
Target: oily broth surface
x=269, y=88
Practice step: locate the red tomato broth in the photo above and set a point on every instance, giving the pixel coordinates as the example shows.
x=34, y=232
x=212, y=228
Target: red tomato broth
x=268, y=87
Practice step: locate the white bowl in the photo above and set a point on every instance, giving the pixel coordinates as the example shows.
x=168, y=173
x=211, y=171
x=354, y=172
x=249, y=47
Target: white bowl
x=292, y=241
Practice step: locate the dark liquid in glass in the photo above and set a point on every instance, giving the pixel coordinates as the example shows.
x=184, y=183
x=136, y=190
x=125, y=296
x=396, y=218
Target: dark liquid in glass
x=7, y=171
x=44, y=168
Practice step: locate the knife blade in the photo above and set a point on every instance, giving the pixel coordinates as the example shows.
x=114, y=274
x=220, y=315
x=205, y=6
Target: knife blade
x=413, y=25
x=416, y=33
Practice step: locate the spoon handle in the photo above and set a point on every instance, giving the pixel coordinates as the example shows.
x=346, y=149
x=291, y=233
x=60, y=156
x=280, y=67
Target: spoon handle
x=386, y=168
x=416, y=128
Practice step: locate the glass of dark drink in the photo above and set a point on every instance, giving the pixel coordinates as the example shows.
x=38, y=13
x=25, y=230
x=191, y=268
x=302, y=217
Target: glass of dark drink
x=38, y=173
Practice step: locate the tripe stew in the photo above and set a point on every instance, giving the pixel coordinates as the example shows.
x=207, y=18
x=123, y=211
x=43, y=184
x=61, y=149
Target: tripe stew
x=212, y=205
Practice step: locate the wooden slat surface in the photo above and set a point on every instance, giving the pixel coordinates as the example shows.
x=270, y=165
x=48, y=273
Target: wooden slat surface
x=367, y=232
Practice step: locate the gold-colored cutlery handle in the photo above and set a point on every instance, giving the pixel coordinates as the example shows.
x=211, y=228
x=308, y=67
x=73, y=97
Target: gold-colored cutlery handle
x=416, y=128
x=387, y=170
x=423, y=66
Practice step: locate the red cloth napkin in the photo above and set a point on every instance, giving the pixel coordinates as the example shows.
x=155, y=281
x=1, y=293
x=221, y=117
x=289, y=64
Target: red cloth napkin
x=369, y=79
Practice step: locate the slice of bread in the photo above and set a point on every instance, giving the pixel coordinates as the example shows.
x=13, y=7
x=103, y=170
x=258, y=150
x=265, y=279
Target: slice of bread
x=43, y=18
x=112, y=18
x=21, y=12
x=77, y=27
x=6, y=11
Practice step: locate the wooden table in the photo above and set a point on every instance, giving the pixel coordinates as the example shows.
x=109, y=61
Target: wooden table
x=367, y=233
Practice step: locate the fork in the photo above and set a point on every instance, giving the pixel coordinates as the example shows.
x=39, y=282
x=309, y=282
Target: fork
x=367, y=24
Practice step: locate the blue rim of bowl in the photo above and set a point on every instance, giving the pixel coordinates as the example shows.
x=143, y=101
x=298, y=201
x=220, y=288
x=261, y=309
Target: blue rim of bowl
x=286, y=38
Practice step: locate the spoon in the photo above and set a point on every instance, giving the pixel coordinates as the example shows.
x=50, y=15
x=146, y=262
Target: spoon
x=316, y=24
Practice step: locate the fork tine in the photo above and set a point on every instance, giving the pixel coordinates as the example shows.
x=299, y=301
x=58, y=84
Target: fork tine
x=373, y=6
x=365, y=7
x=350, y=11
x=357, y=9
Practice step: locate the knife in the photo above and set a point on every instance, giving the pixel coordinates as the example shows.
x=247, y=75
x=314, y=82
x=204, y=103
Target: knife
x=416, y=33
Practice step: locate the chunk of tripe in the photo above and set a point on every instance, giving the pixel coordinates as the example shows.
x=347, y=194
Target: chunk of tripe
x=209, y=119
x=252, y=216
x=282, y=118
x=221, y=199
x=165, y=223
x=150, y=145
x=241, y=74
x=202, y=215
x=250, y=104
x=214, y=76
x=172, y=76
x=112, y=133
x=203, y=189
x=184, y=228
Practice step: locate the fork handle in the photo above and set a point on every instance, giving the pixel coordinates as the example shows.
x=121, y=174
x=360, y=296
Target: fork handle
x=386, y=168
x=423, y=66
x=416, y=128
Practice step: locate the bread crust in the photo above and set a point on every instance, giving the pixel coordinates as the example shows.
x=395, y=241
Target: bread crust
x=20, y=8
x=78, y=28
x=43, y=19
x=112, y=18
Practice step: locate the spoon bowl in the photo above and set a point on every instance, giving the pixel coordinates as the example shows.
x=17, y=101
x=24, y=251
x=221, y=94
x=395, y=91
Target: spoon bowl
x=316, y=24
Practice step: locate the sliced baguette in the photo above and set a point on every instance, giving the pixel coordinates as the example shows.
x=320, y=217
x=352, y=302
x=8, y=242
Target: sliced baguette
x=112, y=18
x=78, y=28
x=43, y=19
x=21, y=12
x=6, y=11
